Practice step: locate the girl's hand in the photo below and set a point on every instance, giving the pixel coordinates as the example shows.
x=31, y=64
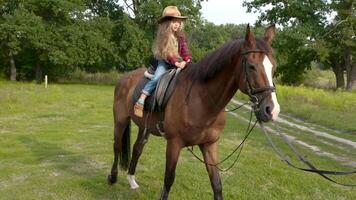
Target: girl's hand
x=183, y=64
x=180, y=64
x=177, y=64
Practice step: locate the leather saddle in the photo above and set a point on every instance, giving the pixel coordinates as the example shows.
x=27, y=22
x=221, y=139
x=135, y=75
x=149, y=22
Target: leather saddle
x=164, y=89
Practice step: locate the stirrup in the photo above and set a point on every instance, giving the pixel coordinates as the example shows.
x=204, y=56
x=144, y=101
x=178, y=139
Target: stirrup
x=138, y=109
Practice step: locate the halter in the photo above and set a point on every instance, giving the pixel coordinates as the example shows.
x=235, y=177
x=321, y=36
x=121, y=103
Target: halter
x=250, y=90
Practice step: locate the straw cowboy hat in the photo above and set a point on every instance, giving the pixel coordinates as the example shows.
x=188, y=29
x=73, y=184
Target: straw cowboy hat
x=170, y=12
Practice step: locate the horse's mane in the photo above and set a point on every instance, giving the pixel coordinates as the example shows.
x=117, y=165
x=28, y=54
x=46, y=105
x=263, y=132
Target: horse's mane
x=215, y=61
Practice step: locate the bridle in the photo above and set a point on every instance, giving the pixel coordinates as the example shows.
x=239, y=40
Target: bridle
x=252, y=92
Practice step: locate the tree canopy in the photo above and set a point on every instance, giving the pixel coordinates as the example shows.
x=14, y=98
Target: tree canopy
x=319, y=30
x=58, y=36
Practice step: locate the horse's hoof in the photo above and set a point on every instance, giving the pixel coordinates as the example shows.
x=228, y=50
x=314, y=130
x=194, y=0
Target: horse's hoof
x=132, y=182
x=135, y=187
x=112, y=179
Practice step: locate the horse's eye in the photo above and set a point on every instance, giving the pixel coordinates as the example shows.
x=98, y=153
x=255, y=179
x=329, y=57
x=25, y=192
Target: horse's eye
x=252, y=67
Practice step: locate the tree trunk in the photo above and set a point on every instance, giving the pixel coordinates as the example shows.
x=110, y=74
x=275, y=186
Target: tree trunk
x=339, y=73
x=350, y=81
x=133, y=6
x=136, y=4
x=39, y=72
x=350, y=69
x=12, y=67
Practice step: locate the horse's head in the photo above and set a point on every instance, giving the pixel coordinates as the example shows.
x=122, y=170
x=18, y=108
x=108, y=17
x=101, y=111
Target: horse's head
x=258, y=69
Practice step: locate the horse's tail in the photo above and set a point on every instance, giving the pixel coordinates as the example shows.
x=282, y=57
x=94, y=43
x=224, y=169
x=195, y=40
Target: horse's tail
x=125, y=155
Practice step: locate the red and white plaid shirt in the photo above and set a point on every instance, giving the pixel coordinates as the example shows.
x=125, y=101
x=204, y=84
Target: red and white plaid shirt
x=183, y=51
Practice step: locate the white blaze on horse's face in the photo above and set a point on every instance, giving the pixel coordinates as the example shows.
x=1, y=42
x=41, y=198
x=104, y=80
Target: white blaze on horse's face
x=268, y=70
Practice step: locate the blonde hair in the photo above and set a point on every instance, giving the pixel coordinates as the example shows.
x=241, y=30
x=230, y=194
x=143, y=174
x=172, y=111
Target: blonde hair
x=166, y=44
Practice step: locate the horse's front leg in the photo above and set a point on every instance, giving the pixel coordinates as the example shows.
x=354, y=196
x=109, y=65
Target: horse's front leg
x=210, y=154
x=172, y=154
x=141, y=140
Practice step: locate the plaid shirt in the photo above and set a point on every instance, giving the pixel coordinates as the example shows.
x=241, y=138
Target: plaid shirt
x=182, y=50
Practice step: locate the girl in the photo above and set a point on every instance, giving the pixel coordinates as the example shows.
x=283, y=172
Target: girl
x=169, y=48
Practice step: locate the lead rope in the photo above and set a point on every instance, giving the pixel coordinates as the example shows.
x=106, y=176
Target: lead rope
x=240, y=146
x=312, y=168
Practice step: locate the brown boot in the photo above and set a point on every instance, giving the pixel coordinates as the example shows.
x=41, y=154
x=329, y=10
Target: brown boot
x=139, y=105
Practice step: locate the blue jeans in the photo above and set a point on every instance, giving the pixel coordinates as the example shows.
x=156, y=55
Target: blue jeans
x=151, y=85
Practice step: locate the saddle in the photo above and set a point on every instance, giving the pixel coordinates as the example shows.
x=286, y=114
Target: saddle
x=164, y=89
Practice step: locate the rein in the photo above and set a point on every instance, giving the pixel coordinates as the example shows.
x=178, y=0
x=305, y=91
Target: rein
x=240, y=146
x=312, y=168
x=255, y=101
x=251, y=93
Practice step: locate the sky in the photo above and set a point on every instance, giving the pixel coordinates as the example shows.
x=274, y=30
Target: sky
x=226, y=11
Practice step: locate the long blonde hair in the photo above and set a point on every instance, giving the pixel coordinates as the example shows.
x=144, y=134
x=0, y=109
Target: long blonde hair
x=166, y=44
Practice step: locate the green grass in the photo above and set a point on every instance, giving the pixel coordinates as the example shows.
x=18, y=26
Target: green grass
x=335, y=109
x=56, y=143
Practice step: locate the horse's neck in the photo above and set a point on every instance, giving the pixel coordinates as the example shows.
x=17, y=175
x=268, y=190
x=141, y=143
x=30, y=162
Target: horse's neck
x=219, y=90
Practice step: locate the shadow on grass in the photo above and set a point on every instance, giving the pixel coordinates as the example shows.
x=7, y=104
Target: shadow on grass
x=78, y=170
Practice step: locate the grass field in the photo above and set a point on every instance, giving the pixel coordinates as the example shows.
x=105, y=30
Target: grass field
x=56, y=143
x=332, y=108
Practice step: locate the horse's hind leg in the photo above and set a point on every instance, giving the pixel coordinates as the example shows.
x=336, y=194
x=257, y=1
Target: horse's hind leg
x=209, y=151
x=136, y=153
x=120, y=129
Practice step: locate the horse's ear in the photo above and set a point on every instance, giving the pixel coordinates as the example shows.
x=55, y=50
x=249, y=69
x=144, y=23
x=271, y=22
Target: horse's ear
x=250, y=40
x=269, y=33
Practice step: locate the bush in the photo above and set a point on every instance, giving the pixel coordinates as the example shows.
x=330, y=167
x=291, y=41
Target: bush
x=79, y=76
x=318, y=78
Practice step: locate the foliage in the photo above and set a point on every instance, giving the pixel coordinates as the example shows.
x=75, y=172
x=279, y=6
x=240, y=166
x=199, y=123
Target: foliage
x=293, y=55
x=332, y=108
x=57, y=37
x=131, y=44
x=317, y=77
x=314, y=36
x=81, y=77
x=87, y=34
x=208, y=37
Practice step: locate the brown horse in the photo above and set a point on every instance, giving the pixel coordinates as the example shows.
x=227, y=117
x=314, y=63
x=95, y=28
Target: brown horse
x=194, y=114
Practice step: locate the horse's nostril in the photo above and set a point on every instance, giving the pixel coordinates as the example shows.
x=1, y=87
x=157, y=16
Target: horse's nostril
x=268, y=110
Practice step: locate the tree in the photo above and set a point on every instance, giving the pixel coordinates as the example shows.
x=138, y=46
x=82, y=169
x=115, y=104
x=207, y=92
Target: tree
x=146, y=12
x=316, y=34
x=336, y=45
x=11, y=33
x=59, y=34
x=345, y=32
x=105, y=8
x=131, y=44
x=57, y=16
x=17, y=29
x=56, y=36
x=207, y=37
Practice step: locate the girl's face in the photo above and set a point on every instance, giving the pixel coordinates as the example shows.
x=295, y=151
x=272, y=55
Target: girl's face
x=175, y=24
